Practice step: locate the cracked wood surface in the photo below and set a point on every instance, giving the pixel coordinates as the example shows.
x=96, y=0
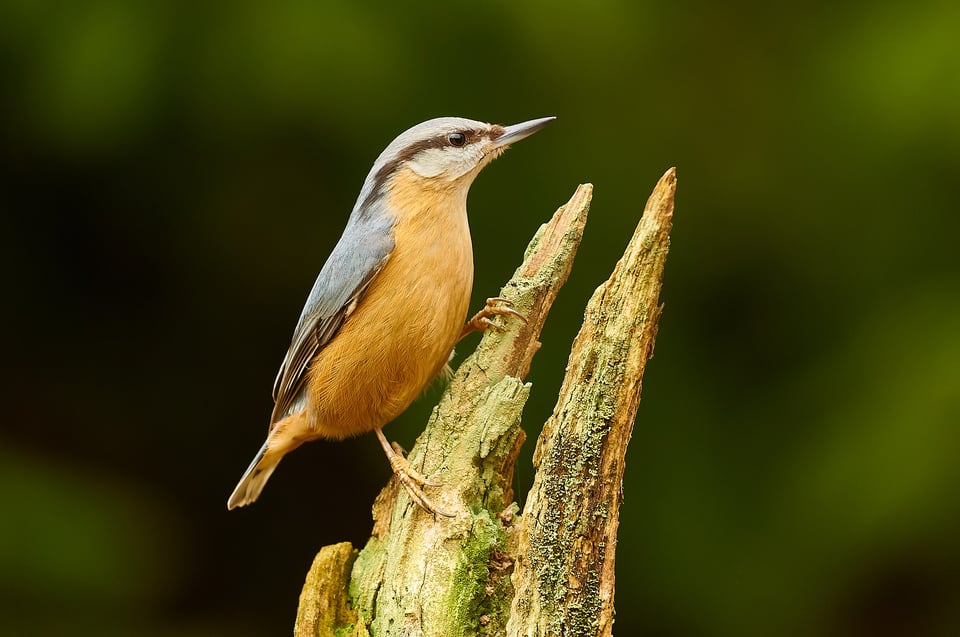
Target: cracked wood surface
x=564, y=573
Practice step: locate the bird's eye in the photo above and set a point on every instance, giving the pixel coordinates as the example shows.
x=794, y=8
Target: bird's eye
x=457, y=139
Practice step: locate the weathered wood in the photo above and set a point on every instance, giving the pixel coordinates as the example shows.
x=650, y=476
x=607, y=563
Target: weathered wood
x=323, y=601
x=564, y=571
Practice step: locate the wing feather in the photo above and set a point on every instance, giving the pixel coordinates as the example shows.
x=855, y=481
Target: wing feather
x=358, y=257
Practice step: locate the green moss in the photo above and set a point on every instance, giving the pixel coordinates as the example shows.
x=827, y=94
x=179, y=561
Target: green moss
x=535, y=241
x=368, y=565
x=478, y=590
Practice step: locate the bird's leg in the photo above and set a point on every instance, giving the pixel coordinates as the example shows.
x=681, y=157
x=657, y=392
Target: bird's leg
x=496, y=306
x=409, y=477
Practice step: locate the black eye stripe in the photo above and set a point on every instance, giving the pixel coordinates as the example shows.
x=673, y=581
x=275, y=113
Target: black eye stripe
x=440, y=141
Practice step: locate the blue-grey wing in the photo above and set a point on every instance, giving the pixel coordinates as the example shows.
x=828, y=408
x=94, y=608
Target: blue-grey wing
x=356, y=260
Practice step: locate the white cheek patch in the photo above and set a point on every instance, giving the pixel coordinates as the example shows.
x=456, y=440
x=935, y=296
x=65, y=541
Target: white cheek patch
x=428, y=163
x=448, y=162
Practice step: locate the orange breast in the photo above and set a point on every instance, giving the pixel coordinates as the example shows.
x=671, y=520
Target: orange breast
x=402, y=332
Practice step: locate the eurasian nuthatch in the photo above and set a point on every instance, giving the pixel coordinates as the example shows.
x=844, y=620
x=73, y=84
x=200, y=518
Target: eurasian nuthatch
x=390, y=302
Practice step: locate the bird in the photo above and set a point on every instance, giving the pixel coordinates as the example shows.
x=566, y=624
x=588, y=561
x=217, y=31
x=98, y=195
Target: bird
x=390, y=303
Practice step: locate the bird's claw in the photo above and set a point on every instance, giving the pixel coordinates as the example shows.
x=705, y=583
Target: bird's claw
x=401, y=465
x=495, y=306
x=411, y=479
x=416, y=493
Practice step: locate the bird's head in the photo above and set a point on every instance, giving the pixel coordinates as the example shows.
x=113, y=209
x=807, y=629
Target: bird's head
x=445, y=153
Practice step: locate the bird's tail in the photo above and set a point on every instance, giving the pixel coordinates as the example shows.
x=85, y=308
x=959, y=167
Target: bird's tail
x=255, y=477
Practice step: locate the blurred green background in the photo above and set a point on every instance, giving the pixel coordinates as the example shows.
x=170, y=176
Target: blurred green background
x=175, y=173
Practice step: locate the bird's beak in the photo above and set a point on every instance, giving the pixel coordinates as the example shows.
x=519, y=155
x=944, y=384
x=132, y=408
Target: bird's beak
x=518, y=131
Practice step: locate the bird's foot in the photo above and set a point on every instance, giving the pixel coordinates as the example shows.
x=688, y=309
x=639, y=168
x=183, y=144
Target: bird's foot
x=411, y=479
x=496, y=306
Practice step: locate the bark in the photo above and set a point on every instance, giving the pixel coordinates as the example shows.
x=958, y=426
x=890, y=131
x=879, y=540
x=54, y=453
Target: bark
x=489, y=570
x=564, y=572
